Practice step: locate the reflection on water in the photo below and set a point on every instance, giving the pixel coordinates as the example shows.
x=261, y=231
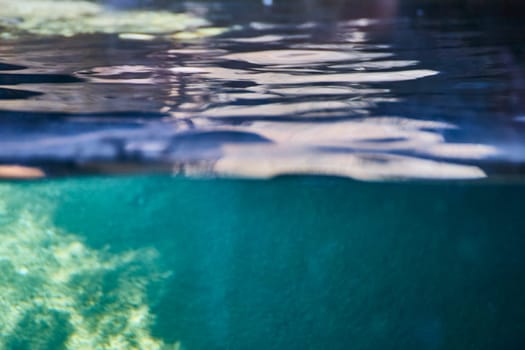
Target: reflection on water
x=69, y=18
x=371, y=98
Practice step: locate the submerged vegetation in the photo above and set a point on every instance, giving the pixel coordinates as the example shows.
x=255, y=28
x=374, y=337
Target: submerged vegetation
x=68, y=18
x=58, y=293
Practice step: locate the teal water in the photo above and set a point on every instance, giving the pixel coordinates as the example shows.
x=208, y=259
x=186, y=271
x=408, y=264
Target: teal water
x=292, y=263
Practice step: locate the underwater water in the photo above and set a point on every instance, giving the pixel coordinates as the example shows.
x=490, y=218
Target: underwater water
x=293, y=175
x=290, y=263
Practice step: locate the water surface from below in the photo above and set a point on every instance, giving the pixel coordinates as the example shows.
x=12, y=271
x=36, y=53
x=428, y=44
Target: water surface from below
x=406, y=95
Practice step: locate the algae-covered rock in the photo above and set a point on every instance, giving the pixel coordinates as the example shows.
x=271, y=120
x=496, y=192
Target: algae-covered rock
x=40, y=329
x=58, y=293
x=71, y=17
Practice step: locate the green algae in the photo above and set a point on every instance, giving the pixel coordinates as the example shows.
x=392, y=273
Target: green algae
x=69, y=18
x=58, y=293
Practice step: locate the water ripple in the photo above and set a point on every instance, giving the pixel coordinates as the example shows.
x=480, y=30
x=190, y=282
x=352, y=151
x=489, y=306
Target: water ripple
x=367, y=99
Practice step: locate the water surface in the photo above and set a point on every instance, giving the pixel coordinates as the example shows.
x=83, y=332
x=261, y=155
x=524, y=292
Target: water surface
x=261, y=91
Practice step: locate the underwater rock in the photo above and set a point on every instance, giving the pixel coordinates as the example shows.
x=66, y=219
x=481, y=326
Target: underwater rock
x=41, y=329
x=58, y=293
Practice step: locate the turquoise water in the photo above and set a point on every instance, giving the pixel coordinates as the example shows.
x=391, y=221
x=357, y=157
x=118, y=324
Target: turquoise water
x=291, y=263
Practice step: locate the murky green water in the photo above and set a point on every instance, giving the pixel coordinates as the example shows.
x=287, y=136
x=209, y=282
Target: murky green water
x=292, y=263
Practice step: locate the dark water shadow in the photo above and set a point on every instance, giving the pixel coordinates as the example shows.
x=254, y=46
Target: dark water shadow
x=12, y=94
